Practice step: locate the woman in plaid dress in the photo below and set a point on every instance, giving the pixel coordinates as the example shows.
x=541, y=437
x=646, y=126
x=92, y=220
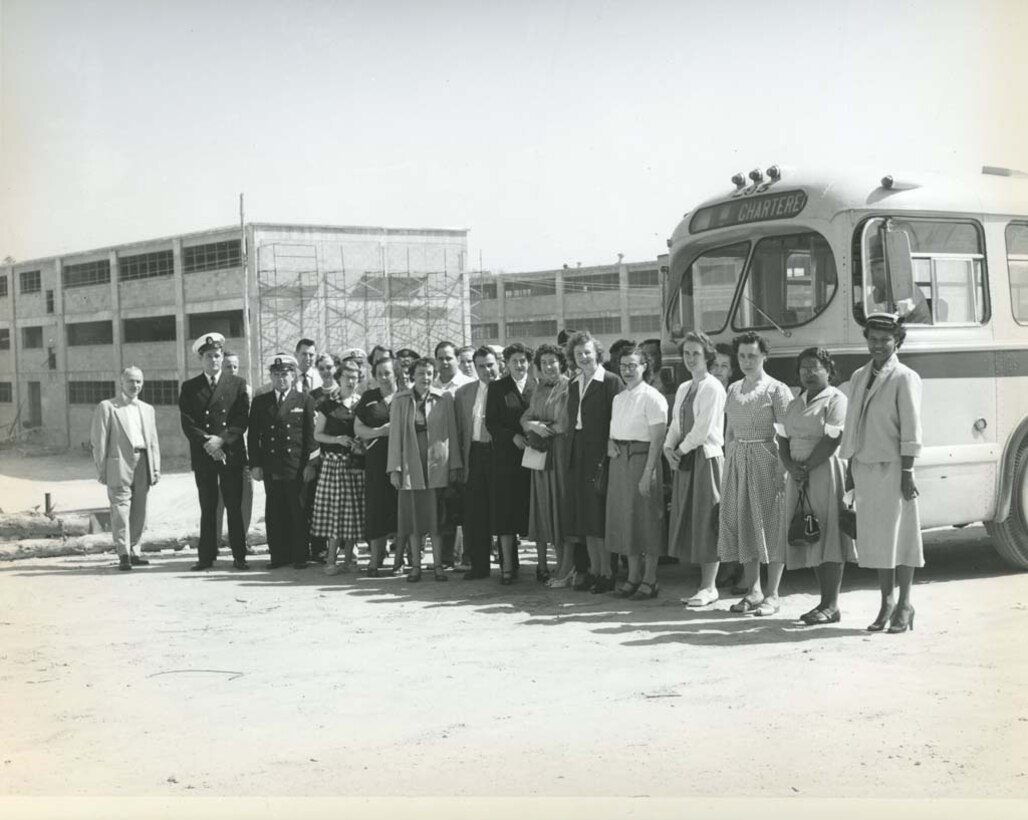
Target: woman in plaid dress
x=339, y=499
x=754, y=480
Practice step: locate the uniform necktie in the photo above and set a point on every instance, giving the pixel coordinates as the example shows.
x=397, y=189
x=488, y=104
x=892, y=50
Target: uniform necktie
x=214, y=383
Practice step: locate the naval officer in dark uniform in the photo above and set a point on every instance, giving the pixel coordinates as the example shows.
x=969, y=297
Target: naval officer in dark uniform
x=215, y=407
x=281, y=443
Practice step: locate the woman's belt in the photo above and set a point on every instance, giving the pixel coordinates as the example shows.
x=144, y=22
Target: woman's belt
x=634, y=448
x=753, y=440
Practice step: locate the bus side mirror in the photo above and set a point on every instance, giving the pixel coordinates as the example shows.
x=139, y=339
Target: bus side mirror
x=899, y=270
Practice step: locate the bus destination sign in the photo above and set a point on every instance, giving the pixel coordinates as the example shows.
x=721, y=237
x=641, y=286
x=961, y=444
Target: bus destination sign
x=781, y=205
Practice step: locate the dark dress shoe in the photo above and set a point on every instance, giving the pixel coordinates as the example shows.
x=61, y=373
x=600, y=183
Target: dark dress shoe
x=300, y=565
x=475, y=575
x=278, y=564
x=240, y=564
x=123, y=563
x=138, y=561
x=201, y=566
x=585, y=583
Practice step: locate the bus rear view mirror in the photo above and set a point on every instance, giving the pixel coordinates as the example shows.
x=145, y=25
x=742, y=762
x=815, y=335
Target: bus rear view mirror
x=898, y=268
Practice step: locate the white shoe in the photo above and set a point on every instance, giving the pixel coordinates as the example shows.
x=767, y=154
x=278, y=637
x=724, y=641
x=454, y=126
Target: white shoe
x=561, y=583
x=705, y=597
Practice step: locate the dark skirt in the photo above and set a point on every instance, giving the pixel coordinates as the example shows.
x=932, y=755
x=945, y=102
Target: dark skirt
x=585, y=510
x=511, y=491
x=379, y=493
x=695, y=502
x=546, y=514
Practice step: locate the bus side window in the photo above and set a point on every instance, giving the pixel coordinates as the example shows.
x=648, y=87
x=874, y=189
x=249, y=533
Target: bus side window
x=1017, y=264
x=948, y=265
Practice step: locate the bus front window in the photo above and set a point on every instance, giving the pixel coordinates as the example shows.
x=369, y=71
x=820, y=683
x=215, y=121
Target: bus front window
x=708, y=285
x=791, y=279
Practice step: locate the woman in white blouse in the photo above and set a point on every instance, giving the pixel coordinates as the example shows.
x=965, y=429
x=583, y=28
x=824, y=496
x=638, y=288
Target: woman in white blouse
x=693, y=449
x=635, y=502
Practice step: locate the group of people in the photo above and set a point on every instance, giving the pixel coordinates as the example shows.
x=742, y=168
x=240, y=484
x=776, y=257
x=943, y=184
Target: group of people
x=605, y=462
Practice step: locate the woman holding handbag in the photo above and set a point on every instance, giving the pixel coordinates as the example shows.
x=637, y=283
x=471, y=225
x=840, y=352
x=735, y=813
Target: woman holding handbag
x=545, y=423
x=808, y=440
x=693, y=449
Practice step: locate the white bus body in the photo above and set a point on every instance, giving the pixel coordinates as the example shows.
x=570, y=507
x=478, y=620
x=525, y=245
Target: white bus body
x=801, y=258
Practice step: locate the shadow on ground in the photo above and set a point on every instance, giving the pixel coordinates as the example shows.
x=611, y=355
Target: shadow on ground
x=951, y=556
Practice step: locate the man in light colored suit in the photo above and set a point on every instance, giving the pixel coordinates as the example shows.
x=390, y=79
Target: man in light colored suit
x=128, y=461
x=476, y=452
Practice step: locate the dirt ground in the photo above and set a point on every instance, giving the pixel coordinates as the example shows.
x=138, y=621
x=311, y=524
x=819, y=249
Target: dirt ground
x=167, y=683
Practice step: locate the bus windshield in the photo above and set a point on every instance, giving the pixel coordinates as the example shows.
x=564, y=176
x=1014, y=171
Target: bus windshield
x=708, y=285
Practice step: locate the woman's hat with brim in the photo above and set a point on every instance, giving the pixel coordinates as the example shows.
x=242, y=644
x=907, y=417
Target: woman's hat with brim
x=883, y=321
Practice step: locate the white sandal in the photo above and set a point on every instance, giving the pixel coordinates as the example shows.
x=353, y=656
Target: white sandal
x=705, y=597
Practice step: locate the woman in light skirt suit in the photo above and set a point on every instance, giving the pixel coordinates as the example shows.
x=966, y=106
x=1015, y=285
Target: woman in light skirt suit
x=881, y=440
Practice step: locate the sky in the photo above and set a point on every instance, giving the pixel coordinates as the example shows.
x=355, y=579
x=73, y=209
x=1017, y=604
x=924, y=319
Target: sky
x=556, y=132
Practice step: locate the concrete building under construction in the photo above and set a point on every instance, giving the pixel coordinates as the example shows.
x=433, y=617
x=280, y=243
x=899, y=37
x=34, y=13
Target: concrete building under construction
x=69, y=324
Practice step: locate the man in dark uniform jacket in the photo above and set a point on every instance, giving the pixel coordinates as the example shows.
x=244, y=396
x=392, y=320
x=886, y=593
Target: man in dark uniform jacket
x=281, y=443
x=215, y=407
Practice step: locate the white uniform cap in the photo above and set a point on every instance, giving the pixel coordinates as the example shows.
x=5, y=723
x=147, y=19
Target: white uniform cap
x=208, y=340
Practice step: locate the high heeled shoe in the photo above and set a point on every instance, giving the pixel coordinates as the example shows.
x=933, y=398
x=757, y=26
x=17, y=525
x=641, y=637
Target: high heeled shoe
x=650, y=591
x=902, y=620
x=882, y=621
x=627, y=590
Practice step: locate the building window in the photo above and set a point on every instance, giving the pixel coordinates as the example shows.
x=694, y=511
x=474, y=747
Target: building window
x=483, y=291
x=643, y=279
x=49, y=301
x=150, y=329
x=32, y=338
x=214, y=256
x=228, y=323
x=90, y=333
x=30, y=281
x=146, y=265
x=6, y=392
x=592, y=283
x=87, y=273
x=531, y=287
x=1017, y=263
x=485, y=332
x=5, y=338
x=538, y=327
x=596, y=324
x=160, y=392
x=89, y=392
x=3, y=286
x=644, y=324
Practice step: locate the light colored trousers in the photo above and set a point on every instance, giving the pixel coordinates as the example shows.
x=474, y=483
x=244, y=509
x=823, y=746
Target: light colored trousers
x=128, y=508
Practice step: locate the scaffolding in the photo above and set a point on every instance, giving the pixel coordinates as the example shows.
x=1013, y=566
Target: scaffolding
x=352, y=293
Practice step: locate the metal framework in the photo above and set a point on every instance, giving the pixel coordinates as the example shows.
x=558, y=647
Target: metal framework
x=399, y=295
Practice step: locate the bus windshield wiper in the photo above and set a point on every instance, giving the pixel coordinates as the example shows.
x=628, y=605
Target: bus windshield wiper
x=786, y=333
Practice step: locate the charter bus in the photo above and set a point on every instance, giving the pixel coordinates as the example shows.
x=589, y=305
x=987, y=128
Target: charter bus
x=802, y=258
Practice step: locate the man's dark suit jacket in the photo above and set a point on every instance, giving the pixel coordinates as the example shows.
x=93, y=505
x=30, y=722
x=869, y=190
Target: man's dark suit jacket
x=225, y=414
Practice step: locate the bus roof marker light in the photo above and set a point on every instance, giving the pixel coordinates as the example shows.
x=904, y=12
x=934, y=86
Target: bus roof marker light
x=739, y=181
x=757, y=175
x=887, y=182
x=774, y=173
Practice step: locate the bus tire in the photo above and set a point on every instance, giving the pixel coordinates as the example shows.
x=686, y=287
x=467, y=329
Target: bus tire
x=1010, y=537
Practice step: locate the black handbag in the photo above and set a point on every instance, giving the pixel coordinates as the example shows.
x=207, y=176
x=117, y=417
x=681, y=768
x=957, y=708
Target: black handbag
x=804, y=528
x=600, y=478
x=848, y=521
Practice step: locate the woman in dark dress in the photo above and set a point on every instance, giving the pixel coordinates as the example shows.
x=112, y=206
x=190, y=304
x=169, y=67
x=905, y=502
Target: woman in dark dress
x=506, y=402
x=590, y=401
x=372, y=425
x=339, y=497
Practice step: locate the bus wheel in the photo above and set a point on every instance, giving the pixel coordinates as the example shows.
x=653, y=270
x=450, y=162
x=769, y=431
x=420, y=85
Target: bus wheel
x=1010, y=537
